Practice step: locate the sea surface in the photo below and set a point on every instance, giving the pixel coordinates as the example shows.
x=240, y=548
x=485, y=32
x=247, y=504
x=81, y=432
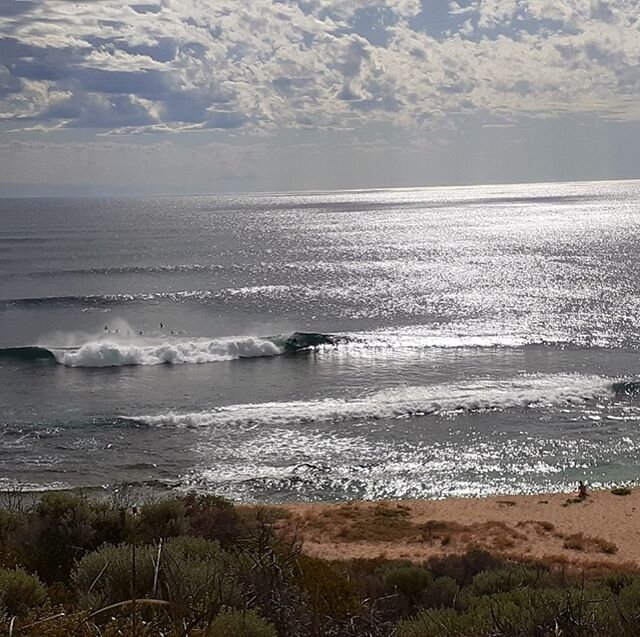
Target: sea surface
x=414, y=343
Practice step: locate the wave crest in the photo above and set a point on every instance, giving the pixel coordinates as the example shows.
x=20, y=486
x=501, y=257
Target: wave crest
x=116, y=354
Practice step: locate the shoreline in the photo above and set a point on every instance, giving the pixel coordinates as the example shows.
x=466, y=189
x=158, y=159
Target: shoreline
x=600, y=531
x=555, y=528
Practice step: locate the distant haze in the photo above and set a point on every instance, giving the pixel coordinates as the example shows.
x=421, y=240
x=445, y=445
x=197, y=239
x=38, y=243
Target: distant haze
x=177, y=96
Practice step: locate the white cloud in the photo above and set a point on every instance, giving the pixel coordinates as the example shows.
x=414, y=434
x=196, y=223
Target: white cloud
x=267, y=64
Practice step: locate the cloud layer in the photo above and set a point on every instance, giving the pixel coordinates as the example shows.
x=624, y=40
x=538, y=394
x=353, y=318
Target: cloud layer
x=267, y=65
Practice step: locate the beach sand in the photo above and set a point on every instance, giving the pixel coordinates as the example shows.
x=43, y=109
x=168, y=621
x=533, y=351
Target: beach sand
x=602, y=530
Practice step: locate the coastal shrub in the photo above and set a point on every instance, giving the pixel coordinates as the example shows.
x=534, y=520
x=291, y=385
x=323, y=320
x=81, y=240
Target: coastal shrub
x=581, y=542
x=615, y=582
x=213, y=518
x=627, y=607
x=415, y=587
x=505, y=579
x=189, y=571
x=442, y=593
x=329, y=592
x=105, y=576
x=236, y=623
x=110, y=524
x=463, y=568
x=267, y=569
x=517, y=612
x=539, y=612
x=442, y=622
x=57, y=533
x=11, y=526
x=9, y=522
x=408, y=581
x=20, y=591
x=161, y=519
x=621, y=491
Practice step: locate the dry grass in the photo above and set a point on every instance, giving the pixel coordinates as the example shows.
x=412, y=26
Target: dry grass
x=581, y=542
x=540, y=527
x=385, y=522
x=418, y=531
x=381, y=522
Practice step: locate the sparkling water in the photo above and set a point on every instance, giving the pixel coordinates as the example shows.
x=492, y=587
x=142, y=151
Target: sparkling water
x=323, y=346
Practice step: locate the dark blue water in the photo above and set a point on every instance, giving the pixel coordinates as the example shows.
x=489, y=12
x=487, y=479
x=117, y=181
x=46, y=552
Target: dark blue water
x=477, y=340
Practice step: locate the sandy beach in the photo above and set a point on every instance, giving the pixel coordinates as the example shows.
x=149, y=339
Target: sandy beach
x=602, y=530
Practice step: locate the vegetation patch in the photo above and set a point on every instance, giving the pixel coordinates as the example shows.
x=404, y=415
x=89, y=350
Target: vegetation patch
x=581, y=542
x=198, y=566
x=621, y=491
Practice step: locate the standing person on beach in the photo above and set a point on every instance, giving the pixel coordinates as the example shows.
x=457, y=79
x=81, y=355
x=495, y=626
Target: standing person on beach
x=582, y=490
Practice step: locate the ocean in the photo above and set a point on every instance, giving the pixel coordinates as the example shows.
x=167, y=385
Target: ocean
x=322, y=346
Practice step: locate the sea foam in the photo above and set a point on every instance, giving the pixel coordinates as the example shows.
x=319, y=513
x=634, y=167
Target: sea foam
x=118, y=353
x=402, y=402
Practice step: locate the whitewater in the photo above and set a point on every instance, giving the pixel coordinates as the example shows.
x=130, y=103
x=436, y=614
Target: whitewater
x=323, y=346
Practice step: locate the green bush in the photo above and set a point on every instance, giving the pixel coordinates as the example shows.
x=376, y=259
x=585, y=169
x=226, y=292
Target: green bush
x=213, y=517
x=162, y=519
x=20, y=591
x=628, y=604
x=110, y=525
x=617, y=581
x=57, y=534
x=329, y=592
x=533, y=612
x=463, y=568
x=444, y=622
x=415, y=588
x=443, y=592
x=408, y=581
x=505, y=579
x=191, y=571
x=236, y=623
x=105, y=576
x=11, y=527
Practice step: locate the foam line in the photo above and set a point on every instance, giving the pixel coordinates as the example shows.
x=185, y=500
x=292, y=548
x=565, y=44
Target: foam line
x=519, y=392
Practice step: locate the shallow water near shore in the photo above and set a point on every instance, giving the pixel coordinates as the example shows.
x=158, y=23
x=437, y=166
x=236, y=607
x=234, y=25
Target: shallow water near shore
x=477, y=341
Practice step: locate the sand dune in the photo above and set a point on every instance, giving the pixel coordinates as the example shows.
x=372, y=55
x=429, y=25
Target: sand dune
x=601, y=530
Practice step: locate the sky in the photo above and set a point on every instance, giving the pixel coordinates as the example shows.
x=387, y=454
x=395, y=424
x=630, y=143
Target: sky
x=198, y=96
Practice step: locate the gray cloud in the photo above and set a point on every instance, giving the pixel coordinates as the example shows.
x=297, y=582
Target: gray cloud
x=89, y=110
x=15, y=7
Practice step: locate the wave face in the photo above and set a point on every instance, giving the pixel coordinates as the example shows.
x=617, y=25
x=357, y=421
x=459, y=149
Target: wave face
x=27, y=354
x=404, y=402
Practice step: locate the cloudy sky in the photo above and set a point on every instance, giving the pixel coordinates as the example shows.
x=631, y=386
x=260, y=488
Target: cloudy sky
x=233, y=95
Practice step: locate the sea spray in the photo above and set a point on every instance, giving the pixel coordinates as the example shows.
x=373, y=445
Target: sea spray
x=115, y=354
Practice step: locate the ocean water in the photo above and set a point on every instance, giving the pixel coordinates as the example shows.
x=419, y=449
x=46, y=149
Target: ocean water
x=323, y=346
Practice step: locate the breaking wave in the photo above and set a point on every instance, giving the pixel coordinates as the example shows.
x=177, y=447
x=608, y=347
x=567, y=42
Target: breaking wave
x=117, y=353
x=114, y=354
x=404, y=402
x=110, y=351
